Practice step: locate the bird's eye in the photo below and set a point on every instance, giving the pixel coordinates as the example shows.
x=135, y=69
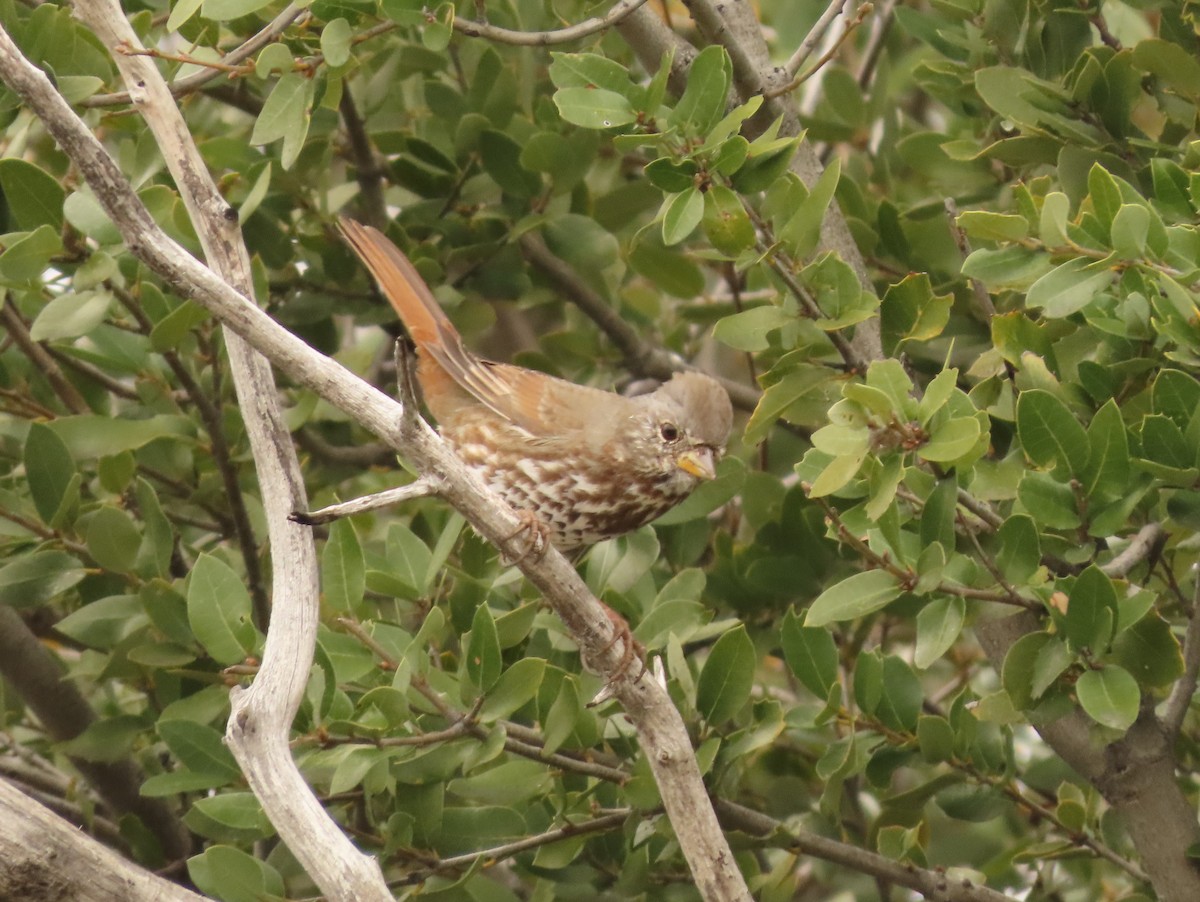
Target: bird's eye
x=669, y=432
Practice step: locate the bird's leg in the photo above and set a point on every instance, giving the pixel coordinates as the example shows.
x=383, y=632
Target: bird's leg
x=631, y=649
x=406, y=382
x=537, y=539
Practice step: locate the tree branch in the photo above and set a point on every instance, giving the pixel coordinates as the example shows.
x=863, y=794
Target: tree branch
x=1180, y=699
x=547, y=38
x=197, y=80
x=47, y=858
x=30, y=668
x=930, y=883
x=261, y=717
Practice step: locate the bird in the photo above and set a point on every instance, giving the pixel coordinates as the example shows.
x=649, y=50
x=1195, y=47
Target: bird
x=580, y=464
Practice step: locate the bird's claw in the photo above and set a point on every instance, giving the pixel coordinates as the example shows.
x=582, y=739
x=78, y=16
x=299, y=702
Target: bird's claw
x=631, y=650
x=536, y=539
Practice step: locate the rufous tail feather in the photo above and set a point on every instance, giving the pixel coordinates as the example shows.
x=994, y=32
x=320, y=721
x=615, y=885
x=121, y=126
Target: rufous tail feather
x=400, y=282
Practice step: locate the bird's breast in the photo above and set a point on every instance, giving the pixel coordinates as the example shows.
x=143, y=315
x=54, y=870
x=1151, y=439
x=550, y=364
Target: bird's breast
x=581, y=494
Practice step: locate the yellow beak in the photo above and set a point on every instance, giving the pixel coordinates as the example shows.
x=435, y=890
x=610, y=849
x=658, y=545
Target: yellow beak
x=698, y=462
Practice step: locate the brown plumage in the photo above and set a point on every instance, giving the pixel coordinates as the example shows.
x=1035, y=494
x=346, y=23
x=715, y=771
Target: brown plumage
x=587, y=464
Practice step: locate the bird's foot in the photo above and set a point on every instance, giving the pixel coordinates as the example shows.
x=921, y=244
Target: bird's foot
x=535, y=536
x=632, y=651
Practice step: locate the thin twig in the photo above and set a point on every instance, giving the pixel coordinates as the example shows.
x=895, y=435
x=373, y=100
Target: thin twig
x=1140, y=547
x=804, y=51
x=546, y=38
x=190, y=83
x=829, y=54
x=40, y=358
x=600, y=824
x=422, y=488
x=1180, y=699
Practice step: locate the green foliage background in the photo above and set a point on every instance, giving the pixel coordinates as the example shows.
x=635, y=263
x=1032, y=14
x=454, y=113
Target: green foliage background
x=1035, y=412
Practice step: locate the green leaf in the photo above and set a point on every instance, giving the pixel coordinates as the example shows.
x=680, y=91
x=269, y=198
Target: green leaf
x=1130, y=228
x=802, y=231
x=283, y=109
x=89, y=436
x=286, y=114
x=199, y=748
x=681, y=214
x=935, y=737
x=672, y=176
x=594, y=107
x=335, y=42
x=1010, y=268
x=811, y=654
x=1092, y=610
x=231, y=875
x=854, y=597
x=113, y=539
x=483, y=650
x=836, y=474
x=515, y=687
x=1105, y=194
x=1110, y=696
x=797, y=384
x=900, y=704
x=218, y=606
x=1020, y=549
x=1025, y=674
x=233, y=816
x=409, y=558
x=27, y=258
x=1176, y=395
x=181, y=12
x=105, y=622
x=50, y=471
x=1170, y=62
x=223, y=10
x=1070, y=286
x=1106, y=474
x=1051, y=503
x=937, y=520
x=70, y=315
x=589, y=70
x=1150, y=652
x=910, y=311
x=34, y=197
x=34, y=579
x=726, y=223
x=1049, y=432
x=951, y=440
x=501, y=157
x=727, y=678
x=993, y=226
x=343, y=570
x=706, y=91
x=748, y=330
x=939, y=625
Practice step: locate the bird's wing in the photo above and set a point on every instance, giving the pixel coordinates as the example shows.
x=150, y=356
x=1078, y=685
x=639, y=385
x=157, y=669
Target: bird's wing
x=545, y=405
x=540, y=404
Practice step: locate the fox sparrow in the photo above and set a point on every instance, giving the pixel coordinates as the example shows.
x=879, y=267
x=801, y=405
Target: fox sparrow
x=586, y=464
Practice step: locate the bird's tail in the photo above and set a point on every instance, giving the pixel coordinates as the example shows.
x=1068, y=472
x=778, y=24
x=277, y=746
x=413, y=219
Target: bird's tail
x=401, y=284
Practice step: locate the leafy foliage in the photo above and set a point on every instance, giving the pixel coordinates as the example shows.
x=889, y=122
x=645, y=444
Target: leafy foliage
x=1034, y=417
